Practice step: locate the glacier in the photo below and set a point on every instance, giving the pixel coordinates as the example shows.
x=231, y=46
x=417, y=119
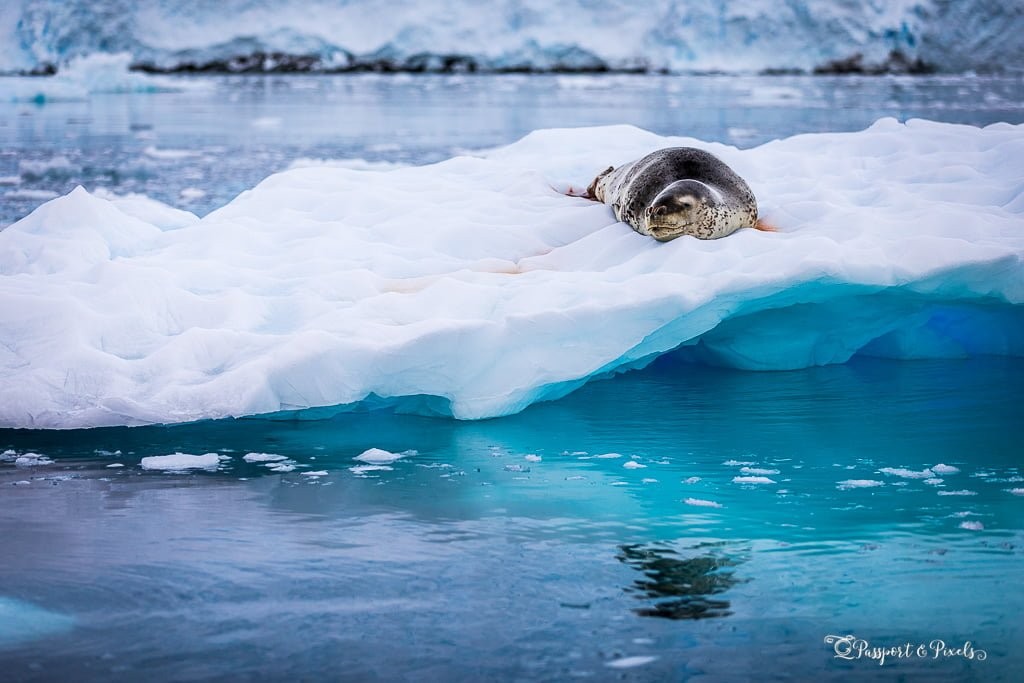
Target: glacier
x=475, y=287
x=704, y=35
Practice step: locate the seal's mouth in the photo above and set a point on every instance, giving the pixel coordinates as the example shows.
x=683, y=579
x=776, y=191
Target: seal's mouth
x=666, y=232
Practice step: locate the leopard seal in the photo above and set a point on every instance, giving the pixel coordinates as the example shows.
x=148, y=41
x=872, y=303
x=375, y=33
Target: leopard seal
x=678, y=191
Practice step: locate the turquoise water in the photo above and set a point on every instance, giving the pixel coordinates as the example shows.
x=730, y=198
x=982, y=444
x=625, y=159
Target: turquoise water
x=507, y=549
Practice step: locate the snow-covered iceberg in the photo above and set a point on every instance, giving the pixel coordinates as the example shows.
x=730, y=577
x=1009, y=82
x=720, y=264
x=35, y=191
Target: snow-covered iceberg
x=474, y=287
x=723, y=35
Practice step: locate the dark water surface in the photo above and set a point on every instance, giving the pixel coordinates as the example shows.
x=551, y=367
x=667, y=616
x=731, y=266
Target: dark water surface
x=507, y=549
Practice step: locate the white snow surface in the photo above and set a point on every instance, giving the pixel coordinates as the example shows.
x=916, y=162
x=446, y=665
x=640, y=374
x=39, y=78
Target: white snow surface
x=728, y=35
x=472, y=288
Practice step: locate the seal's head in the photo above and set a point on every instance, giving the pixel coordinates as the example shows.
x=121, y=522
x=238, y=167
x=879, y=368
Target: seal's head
x=686, y=207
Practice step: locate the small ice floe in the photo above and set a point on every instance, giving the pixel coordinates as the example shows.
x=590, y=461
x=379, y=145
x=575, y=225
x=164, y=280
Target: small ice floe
x=10, y=179
x=315, y=473
x=944, y=469
x=281, y=467
x=531, y=457
x=752, y=480
x=115, y=464
x=972, y=525
x=738, y=463
x=191, y=194
x=607, y=456
x=182, y=461
x=263, y=457
x=379, y=456
x=648, y=480
x=154, y=152
x=1016, y=492
x=30, y=194
x=701, y=503
x=962, y=492
x=630, y=662
x=363, y=469
x=575, y=477
x=32, y=460
x=691, y=480
x=633, y=465
x=266, y=122
x=908, y=474
x=21, y=482
x=858, y=484
x=934, y=481
x=516, y=467
x=757, y=470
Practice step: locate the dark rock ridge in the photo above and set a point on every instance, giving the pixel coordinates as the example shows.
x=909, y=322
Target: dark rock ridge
x=895, y=63
x=453, y=63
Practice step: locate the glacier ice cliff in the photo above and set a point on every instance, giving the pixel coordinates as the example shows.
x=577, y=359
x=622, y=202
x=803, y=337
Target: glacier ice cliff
x=473, y=287
x=752, y=35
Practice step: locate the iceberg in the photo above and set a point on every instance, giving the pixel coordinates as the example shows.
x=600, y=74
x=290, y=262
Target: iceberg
x=89, y=75
x=474, y=287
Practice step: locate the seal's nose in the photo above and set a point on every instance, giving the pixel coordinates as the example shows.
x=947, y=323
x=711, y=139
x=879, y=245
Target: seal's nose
x=659, y=210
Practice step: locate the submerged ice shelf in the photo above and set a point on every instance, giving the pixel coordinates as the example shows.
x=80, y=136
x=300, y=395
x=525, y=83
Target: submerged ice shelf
x=474, y=288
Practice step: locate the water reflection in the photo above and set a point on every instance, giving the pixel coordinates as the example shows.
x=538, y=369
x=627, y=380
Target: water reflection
x=681, y=586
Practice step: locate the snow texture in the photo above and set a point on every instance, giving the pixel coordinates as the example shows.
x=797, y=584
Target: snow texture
x=513, y=34
x=474, y=288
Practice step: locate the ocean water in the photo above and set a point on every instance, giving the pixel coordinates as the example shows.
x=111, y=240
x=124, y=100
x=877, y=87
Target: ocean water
x=199, y=148
x=609, y=535
x=677, y=523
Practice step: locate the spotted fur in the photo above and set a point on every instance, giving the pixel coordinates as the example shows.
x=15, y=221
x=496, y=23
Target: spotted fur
x=677, y=191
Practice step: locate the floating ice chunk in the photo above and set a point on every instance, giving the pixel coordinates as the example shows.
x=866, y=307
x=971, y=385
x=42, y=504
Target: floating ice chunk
x=190, y=194
x=181, y=461
x=315, y=473
x=379, y=456
x=962, y=492
x=633, y=465
x=648, y=480
x=757, y=470
x=972, y=525
x=22, y=621
x=752, y=480
x=88, y=75
x=28, y=193
x=607, y=456
x=737, y=463
x=908, y=474
x=630, y=662
x=944, y=469
x=263, y=457
x=1016, y=492
x=531, y=457
x=935, y=481
x=691, y=480
x=281, y=467
x=32, y=460
x=155, y=152
x=115, y=465
x=699, y=502
x=21, y=482
x=858, y=484
x=266, y=122
x=362, y=469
